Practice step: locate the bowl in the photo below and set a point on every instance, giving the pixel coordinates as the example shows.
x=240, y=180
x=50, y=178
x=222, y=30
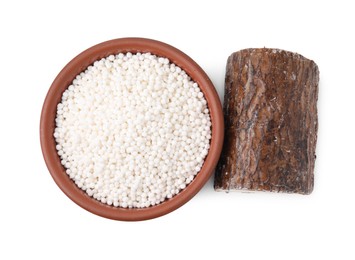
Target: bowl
x=79, y=64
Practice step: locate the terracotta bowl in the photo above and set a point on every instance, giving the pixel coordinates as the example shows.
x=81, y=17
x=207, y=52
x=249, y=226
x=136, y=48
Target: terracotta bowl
x=79, y=64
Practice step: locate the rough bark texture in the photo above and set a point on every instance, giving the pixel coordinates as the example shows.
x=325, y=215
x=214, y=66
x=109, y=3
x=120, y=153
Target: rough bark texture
x=270, y=110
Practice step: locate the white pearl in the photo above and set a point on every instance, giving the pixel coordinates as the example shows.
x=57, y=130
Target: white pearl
x=132, y=130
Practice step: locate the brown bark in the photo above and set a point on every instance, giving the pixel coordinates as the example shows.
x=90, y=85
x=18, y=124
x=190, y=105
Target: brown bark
x=270, y=110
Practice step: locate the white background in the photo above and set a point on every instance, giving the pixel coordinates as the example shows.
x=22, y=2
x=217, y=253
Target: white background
x=38, y=221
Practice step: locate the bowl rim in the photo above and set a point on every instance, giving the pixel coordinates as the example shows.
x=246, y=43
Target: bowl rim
x=79, y=64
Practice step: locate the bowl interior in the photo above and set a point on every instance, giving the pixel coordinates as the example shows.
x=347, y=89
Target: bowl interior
x=78, y=65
